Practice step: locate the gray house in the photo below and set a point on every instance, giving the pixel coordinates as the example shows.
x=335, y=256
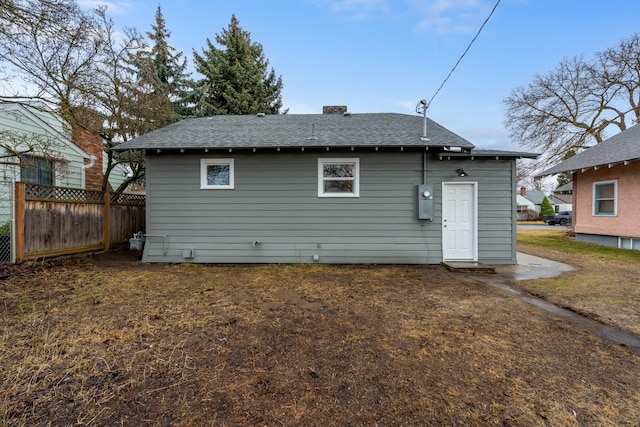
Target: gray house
x=327, y=188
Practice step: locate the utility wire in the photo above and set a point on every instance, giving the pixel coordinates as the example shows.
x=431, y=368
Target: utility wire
x=465, y=52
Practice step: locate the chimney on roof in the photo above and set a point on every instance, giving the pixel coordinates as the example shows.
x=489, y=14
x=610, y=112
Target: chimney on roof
x=523, y=191
x=334, y=109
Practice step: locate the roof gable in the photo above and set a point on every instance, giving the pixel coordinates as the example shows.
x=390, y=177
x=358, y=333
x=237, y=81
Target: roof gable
x=534, y=196
x=561, y=199
x=299, y=130
x=36, y=119
x=567, y=187
x=620, y=148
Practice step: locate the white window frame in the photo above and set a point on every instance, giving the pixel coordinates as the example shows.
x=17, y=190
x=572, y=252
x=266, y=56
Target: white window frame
x=615, y=198
x=204, y=163
x=355, y=178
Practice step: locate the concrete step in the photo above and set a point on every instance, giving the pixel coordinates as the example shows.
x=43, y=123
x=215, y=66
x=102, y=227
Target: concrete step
x=468, y=267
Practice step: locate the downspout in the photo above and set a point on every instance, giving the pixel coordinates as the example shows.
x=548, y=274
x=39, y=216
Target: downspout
x=83, y=178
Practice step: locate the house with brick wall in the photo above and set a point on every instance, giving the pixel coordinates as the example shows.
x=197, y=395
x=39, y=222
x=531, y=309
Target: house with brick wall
x=36, y=147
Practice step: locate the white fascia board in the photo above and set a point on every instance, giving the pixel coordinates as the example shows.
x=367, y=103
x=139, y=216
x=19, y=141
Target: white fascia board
x=49, y=129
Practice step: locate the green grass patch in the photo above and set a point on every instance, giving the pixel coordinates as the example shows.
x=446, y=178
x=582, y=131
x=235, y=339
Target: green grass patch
x=560, y=240
x=554, y=285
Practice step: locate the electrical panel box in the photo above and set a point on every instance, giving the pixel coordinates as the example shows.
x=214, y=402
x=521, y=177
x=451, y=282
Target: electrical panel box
x=424, y=199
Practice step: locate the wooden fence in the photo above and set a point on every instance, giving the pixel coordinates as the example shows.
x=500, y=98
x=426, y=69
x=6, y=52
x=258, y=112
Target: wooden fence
x=52, y=221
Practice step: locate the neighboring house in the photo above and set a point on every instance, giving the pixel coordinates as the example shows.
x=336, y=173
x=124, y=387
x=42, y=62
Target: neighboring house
x=606, y=193
x=532, y=200
x=48, y=156
x=529, y=200
x=328, y=188
x=562, y=198
x=47, y=153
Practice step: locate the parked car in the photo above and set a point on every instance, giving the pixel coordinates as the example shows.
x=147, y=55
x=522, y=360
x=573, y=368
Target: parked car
x=562, y=218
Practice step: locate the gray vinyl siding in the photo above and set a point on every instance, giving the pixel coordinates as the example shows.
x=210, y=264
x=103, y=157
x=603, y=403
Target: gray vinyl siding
x=275, y=202
x=496, y=214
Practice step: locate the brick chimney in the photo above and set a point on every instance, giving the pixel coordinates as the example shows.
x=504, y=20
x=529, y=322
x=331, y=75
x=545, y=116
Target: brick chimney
x=334, y=109
x=93, y=145
x=523, y=191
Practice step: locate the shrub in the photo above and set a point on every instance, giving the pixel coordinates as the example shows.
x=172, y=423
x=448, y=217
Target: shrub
x=531, y=215
x=5, y=229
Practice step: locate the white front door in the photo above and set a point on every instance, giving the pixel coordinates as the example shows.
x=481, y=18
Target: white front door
x=459, y=221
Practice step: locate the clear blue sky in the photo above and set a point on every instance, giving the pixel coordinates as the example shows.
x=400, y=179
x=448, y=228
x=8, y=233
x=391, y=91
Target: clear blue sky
x=386, y=55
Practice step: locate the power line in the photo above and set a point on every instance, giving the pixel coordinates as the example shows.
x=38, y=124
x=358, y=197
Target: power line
x=465, y=52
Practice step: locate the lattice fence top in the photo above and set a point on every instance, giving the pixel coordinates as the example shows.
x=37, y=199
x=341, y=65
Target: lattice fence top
x=128, y=199
x=69, y=195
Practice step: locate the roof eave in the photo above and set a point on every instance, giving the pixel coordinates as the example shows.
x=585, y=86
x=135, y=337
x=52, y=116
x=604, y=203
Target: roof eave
x=281, y=146
x=471, y=155
x=556, y=170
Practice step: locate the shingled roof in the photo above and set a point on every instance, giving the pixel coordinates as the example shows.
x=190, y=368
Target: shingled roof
x=623, y=147
x=298, y=130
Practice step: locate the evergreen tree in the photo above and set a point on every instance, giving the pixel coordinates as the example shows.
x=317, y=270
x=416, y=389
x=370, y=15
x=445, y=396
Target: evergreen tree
x=236, y=76
x=546, y=209
x=563, y=179
x=161, y=76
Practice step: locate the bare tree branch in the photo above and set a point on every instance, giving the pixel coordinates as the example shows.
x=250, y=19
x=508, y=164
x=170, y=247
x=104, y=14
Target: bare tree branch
x=77, y=62
x=572, y=107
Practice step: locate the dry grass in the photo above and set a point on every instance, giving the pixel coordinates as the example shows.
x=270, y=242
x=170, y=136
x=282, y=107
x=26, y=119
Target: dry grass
x=604, y=286
x=106, y=340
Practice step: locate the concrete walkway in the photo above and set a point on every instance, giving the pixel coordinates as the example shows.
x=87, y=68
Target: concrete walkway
x=533, y=267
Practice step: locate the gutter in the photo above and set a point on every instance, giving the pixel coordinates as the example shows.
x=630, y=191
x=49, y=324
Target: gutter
x=92, y=163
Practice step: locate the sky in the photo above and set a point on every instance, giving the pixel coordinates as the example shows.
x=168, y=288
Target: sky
x=380, y=56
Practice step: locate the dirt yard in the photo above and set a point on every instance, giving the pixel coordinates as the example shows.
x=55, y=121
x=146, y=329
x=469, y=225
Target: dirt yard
x=106, y=340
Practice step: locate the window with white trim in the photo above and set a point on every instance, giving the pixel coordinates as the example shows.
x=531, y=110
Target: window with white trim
x=339, y=177
x=216, y=174
x=605, y=198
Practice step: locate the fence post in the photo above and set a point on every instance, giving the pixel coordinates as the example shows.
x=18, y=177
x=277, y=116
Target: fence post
x=107, y=220
x=19, y=221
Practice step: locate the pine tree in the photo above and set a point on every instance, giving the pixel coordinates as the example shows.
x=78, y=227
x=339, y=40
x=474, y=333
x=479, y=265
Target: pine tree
x=546, y=209
x=162, y=76
x=236, y=76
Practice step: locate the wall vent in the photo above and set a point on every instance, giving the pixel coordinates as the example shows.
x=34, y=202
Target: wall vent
x=188, y=253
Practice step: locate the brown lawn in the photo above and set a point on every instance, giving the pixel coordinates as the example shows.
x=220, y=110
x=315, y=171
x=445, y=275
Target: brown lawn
x=105, y=340
x=604, y=286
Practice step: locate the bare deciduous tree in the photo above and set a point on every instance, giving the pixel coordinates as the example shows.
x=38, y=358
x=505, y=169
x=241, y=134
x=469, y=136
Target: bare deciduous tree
x=78, y=63
x=573, y=106
x=16, y=145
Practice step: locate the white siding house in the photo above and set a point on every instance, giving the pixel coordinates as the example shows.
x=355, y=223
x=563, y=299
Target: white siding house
x=35, y=148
